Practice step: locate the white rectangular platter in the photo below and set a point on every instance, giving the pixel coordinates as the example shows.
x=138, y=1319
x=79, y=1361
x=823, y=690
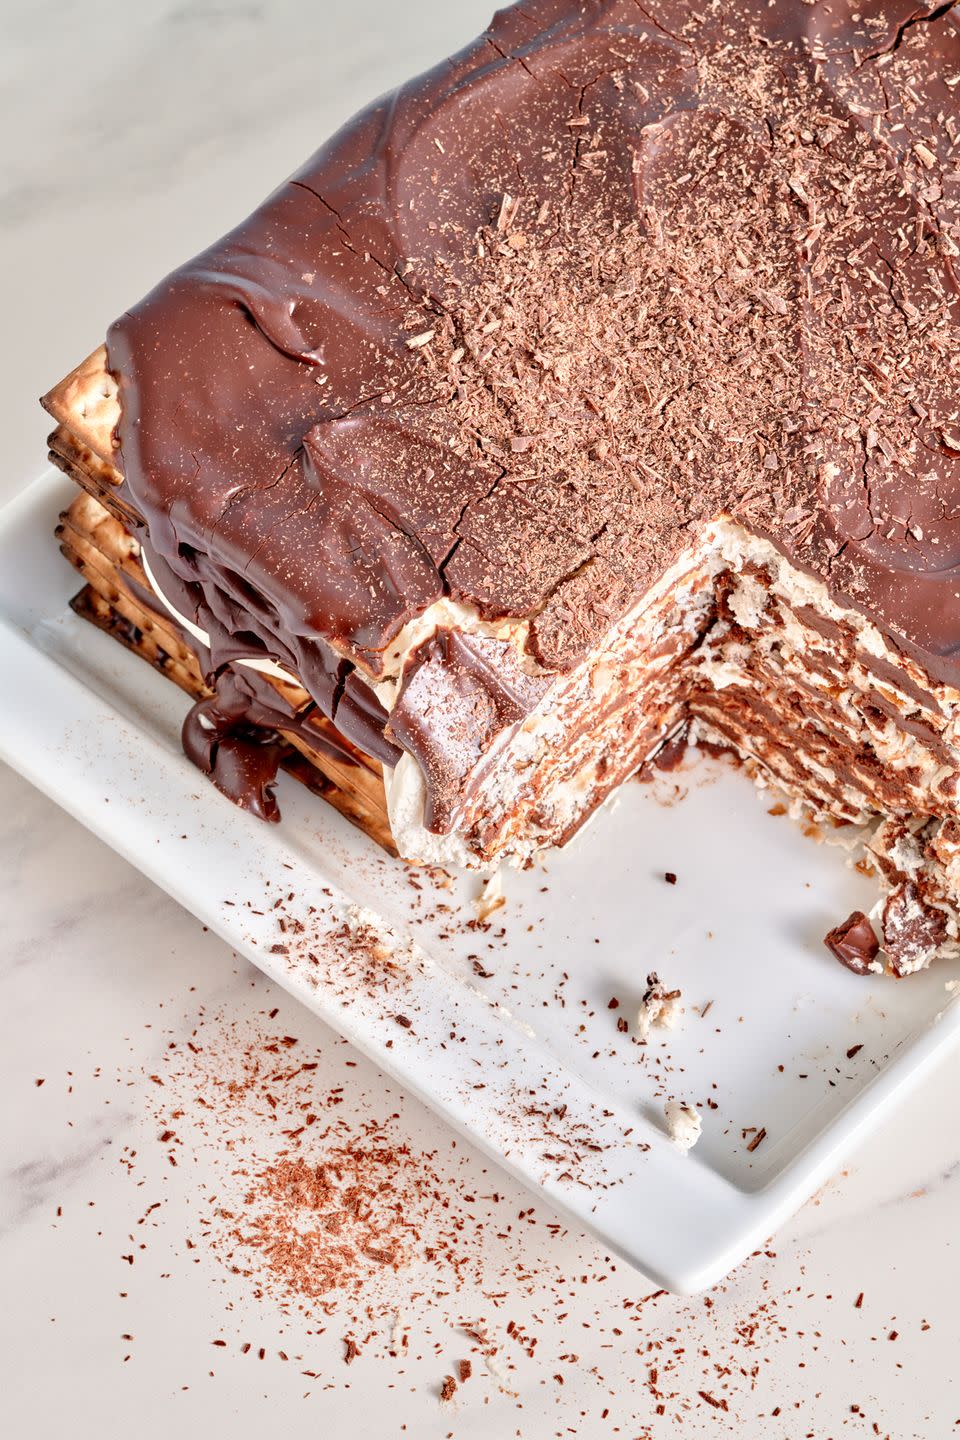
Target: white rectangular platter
x=512, y=1035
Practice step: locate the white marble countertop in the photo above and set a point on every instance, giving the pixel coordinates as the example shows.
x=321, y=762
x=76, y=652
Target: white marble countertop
x=132, y=136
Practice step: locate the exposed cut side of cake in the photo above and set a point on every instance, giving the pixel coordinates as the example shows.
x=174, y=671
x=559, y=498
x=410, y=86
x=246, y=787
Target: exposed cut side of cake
x=738, y=648
x=598, y=388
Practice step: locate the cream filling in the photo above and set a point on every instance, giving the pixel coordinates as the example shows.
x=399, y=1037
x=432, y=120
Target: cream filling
x=406, y=793
x=446, y=614
x=684, y=1125
x=264, y=667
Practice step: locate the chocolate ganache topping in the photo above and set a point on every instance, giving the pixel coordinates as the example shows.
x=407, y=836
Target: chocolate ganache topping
x=517, y=331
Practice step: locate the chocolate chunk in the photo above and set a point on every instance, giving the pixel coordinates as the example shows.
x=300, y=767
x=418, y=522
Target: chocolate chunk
x=855, y=944
x=241, y=758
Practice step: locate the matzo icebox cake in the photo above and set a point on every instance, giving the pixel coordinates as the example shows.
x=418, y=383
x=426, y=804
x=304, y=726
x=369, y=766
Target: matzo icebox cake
x=596, y=390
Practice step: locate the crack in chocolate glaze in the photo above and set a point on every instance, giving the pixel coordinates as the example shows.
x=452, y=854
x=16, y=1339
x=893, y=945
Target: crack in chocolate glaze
x=924, y=16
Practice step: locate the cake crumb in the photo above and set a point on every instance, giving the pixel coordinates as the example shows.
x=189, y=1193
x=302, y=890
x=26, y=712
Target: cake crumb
x=855, y=944
x=684, y=1125
x=491, y=897
x=659, y=1008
